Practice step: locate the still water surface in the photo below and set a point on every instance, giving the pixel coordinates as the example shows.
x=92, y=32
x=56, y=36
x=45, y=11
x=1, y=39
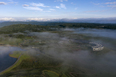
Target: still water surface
x=5, y=60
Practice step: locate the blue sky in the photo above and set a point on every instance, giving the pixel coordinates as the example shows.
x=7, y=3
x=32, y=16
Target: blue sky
x=56, y=9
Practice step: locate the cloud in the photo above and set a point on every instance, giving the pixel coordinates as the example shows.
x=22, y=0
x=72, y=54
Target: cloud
x=57, y=7
x=95, y=3
x=38, y=19
x=110, y=3
x=94, y=11
x=25, y=5
x=112, y=6
x=73, y=3
x=34, y=8
x=76, y=8
x=107, y=4
x=12, y=2
x=60, y=0
x=7, y=19
x=61, y=6
x=9, y=2
x=52, y=9
x=46, y=11
x=39, y=5
x=3, y=3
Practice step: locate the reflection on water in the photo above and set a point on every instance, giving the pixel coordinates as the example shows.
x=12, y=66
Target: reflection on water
x=5, y=60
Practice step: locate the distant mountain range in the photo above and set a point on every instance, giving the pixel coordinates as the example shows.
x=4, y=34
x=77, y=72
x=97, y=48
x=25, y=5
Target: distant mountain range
x=65, y=20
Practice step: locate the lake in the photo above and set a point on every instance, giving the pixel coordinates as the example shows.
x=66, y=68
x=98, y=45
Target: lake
x=5, y=60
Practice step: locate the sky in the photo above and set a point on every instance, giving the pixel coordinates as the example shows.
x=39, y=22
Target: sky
x=22, y=10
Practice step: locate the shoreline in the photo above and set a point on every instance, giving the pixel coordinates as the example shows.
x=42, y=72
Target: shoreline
x=17, y=62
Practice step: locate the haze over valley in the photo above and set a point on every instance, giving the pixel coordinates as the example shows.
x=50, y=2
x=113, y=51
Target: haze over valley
x=57, y=38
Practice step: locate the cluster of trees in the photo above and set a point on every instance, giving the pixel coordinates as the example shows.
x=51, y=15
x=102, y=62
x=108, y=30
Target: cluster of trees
x=87, y=25
x=24, y=28
x=52, y=26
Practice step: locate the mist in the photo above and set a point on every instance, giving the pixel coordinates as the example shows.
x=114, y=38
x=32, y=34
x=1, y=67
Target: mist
x=62, y=47
x=97, y=32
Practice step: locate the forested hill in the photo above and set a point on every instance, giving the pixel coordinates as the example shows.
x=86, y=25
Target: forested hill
x=20, y=22
x=51, y=23
x=52, y=26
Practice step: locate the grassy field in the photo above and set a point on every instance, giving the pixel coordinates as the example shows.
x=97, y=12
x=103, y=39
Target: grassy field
x=30, y=66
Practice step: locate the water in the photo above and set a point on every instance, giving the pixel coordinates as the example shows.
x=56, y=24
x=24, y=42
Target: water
x=5, y=60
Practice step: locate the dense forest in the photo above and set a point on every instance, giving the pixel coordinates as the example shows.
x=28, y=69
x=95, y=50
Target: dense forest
x=52, y=27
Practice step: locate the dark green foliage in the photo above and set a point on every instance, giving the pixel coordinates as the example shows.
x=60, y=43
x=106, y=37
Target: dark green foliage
x=52, y=27
x=23, y=28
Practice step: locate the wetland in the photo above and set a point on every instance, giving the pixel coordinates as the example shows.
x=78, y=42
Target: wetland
x=57, y=52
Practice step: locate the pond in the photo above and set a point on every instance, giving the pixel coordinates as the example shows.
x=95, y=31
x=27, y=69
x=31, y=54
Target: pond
x=5, y=60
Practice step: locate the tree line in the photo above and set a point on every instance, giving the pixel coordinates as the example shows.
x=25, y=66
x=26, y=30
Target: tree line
x=52, y=27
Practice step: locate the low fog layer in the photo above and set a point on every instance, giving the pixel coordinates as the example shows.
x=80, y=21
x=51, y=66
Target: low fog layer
x=97, y=32
x=61, y=47
x=7, y=49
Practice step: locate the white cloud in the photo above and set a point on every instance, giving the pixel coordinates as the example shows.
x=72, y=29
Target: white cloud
x=52, y=9
x=57, y=7
x=95, y=3
x=107, y=4
x=61, y=6
x=60, y=0
x=25, y=5
x=93, y=11
x=110, y=3
x=34, y=8
x=39, y=5
x=73, y=3
x=3, y=3
x=12, y=2
x=112, y=6
x=76, y=8
x=46, y=11
x=7, y=19
x=38, y=19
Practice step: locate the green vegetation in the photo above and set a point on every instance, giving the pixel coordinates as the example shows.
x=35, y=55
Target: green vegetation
x=20, y=57
x=38, y=60
x=50, y=73
x=52, y=27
